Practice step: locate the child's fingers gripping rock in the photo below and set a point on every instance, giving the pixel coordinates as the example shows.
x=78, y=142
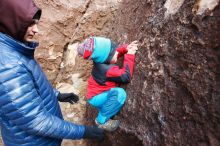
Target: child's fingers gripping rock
x=132, y=51
x=133, y=44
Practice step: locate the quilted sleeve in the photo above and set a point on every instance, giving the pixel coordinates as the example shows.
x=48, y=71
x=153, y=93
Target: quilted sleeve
x=21, y=104
x=56, y=92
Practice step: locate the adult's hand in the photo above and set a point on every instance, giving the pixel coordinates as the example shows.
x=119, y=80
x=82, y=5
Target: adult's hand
x=93, y=132
x=68, y=97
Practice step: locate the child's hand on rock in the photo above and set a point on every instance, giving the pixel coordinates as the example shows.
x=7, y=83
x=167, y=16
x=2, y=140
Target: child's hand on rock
x=132, y=47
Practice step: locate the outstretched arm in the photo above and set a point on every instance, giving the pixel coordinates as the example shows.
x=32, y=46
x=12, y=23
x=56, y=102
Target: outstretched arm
x=124, y=74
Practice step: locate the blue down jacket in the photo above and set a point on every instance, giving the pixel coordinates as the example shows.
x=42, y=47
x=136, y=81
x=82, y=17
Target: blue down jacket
x=29, y=111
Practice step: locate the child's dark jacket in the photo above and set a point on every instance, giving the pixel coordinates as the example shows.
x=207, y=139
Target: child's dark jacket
x=107, y=76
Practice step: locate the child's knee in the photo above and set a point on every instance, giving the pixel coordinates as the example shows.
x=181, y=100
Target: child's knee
x=121, y=97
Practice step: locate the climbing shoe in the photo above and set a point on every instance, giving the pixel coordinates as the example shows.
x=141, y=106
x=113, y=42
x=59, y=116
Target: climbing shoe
x=110, y=125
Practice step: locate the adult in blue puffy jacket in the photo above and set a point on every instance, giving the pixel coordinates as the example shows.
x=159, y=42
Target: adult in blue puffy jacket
x=30, y=114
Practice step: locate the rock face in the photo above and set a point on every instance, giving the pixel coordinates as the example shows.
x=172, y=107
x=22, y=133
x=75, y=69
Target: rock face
x=174, y=95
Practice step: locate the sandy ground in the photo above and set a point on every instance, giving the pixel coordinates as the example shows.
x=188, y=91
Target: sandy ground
x=1, y=142
x=76, y=114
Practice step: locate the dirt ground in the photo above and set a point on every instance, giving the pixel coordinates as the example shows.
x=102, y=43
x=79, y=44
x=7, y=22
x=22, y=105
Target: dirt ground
x=1, y=142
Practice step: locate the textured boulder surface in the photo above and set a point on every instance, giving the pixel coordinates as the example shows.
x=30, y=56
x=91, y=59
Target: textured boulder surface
x=174, y=96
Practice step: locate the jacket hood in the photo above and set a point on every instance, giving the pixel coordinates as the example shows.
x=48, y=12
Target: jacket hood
x=16, y=16
x=26, y=49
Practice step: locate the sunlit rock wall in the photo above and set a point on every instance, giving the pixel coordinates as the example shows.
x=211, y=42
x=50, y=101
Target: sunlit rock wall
x=174, y=96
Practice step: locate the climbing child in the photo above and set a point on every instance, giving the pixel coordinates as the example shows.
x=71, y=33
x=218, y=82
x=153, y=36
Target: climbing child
x=102, y=90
